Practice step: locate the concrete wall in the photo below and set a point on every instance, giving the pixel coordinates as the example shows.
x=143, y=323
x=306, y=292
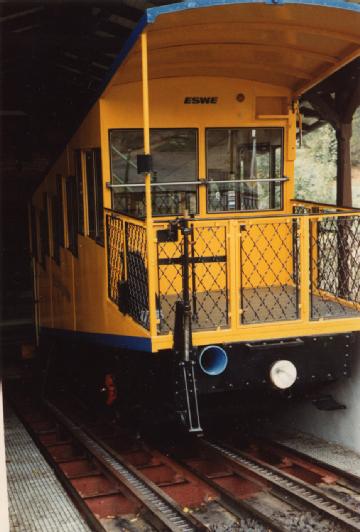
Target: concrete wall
x=338, y=426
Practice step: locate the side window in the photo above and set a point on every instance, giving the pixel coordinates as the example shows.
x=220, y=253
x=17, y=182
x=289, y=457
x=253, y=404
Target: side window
x=44, y=232
x=46, y=225
x=99, y=197
x=60, y=220
x=34, y=242
x=95, y=194
x=72, y=213
x=55, y=228
x=79, y=190
x=90, y=185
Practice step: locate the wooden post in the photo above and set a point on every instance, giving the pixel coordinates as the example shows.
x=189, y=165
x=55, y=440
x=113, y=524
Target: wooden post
x=343, y=185
x=339, y=112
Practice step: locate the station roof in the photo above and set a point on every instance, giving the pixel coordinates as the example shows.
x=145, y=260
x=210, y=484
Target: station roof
x=294, y=44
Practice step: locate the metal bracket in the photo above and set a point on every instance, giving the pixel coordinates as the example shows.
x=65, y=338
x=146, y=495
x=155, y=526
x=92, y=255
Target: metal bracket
x=168, y=235
x=186, y=396
x=144, y=163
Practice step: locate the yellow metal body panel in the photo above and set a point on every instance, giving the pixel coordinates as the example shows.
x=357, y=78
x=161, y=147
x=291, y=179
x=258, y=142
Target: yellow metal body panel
x=73, y=296
x=266, y=54
x=120, y=108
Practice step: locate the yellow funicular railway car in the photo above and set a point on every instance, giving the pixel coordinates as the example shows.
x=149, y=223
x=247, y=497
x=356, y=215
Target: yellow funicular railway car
x=166, y=232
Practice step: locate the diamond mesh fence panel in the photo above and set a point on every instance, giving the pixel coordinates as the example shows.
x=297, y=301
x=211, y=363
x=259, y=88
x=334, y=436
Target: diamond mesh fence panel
x=335, y=267
x=170, y=281
x=208, y=278
x=137, y=274
x=115, y=254
x=269, y=272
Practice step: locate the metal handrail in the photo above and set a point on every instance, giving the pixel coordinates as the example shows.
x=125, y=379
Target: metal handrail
x=139, y=185
x=258, y=180
x=322, y=204
x=238, y=216
x=197, y=183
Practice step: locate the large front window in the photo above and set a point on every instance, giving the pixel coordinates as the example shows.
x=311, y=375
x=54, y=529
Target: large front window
x=244, y=169
x=174, y=153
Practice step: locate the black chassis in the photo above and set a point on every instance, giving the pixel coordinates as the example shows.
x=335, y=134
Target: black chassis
x=318, y=359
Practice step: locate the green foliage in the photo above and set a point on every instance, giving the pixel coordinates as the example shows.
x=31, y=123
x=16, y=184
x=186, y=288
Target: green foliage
x=355, y=140
x=315, y=166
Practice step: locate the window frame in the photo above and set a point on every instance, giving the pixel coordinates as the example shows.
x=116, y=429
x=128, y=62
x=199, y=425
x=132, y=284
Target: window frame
x=235, y=211
x=98, y=233
x=196, y=180
x=71, y=215
x=55, y=229
x=61, y=219
x=79, y=179
x=44, y=247
x=33, y=232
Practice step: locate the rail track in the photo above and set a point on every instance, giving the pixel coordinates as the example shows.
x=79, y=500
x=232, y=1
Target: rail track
x=112, y=475
x=315, y=498
x=295, y=460
x=102, y=488
x=241, y=488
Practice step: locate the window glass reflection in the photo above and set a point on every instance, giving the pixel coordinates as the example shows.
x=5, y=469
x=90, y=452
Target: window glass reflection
x=174, y=153
x=238, y=160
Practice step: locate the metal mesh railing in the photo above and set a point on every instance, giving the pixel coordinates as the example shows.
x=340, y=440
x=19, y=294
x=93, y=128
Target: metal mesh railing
x=127, y=267
x=115, y=255
x=269, y=272
x=335, y=267
x=208, y=278
x=259, y=279
x=170, y=281
x=137, y=273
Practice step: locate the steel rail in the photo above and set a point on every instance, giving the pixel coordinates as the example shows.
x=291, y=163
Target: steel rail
x=236, y=506
x=332, y=508
x=76, y=498
x=345, y=478
x=164, y=510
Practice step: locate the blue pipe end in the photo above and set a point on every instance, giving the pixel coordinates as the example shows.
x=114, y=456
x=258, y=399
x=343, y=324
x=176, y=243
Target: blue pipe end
x=213, y=360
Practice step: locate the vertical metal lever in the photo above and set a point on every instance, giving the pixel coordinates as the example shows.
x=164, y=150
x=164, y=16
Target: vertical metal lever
x=185, y=384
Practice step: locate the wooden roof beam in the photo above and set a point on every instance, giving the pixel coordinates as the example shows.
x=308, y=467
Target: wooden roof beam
x=318, y=77
x=313, y=127
x=325, y=108
x=19, y=14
